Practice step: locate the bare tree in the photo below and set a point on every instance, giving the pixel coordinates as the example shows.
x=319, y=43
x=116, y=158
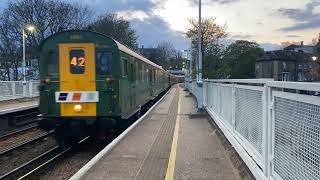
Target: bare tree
x=48, y=16
x=116, y=27
x=166, y=52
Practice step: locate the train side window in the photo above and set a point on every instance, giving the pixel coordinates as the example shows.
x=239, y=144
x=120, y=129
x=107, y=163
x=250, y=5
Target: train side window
x=137, y=71
x=103, y=62
x=124, y=67
x=53, y=63
x=77, y=61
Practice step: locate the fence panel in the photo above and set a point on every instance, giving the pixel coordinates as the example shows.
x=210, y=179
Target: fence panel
x=248, y=118
x=10, y=90
x=226, y=103
x=296, y=136
x=274, y=126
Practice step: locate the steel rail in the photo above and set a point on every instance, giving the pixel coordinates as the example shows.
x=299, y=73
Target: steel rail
x=8, y=174
x=30, y=173
x=18, y=131
x=15, y=147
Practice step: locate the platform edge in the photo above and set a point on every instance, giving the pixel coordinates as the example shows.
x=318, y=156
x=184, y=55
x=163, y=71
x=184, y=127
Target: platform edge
x=78, y=175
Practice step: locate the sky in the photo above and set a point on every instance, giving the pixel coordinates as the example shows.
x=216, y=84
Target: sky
x=268, y=22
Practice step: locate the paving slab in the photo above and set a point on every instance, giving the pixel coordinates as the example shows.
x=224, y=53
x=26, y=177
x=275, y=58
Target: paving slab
x=139, y=149
x=144, y=153
x=200, y=154
x=18, y=105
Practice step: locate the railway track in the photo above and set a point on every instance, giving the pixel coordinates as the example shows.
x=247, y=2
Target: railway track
x=33, y=140
x=37, y=164
x=17, y=132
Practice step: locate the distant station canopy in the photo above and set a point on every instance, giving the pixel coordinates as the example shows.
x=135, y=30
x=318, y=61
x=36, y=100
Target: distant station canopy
x=177, y=72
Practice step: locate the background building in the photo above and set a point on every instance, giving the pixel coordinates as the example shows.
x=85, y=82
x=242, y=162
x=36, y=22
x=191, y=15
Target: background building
x=301, y=48
x=287, y=65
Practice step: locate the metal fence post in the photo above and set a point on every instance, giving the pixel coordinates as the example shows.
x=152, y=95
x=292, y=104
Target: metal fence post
x=269, y=133
x=30, y=89
x=13, y=90
x=24, y=89
x=265, y=129
x=233, y=110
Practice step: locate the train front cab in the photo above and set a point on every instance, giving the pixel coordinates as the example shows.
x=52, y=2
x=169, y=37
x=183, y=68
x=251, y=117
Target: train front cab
x=82, y=98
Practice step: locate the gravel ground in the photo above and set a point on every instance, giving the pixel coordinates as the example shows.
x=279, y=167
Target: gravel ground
x=70, y=163
x=22, y=155
x=19, y=138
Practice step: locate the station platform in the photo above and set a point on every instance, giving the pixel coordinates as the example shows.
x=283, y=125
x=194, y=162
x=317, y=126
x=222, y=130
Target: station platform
x=172, y=142
x=12, y=106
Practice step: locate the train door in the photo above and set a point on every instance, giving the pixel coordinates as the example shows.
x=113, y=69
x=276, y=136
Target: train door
x=78, y=95
x=132, y=85
x=150, y=81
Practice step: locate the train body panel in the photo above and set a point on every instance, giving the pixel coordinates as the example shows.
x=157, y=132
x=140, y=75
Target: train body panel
x=90, y=81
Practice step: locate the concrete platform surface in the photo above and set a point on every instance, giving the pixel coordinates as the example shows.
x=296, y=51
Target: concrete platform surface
x=172, y=142
x=18, y=105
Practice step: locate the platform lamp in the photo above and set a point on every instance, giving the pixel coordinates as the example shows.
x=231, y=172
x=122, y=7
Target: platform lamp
x=314, y=58
x=31, y=29
x=316, y=69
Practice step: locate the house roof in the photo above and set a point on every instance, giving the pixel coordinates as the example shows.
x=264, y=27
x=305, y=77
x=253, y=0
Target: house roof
x=283, y=55
x=292, y=46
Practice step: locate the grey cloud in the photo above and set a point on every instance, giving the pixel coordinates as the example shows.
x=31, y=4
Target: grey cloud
x=154, y=29
x=270, y=46
x=151, y=30
x=242, y=36
x=206, y=2
x=293, y=36
x=304, y=18
x=312, y=24
x=102, y=6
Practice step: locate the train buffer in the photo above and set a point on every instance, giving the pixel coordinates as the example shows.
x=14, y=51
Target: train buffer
x=173, y=141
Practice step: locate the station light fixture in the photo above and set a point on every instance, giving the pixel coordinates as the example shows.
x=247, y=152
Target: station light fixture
x=314, y=58
x=31, y=28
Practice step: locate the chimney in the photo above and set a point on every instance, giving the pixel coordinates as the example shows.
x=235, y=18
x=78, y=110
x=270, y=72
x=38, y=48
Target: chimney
x=301, y=43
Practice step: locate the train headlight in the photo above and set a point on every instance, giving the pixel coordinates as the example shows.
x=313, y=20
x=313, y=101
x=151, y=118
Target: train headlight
x=77, y=108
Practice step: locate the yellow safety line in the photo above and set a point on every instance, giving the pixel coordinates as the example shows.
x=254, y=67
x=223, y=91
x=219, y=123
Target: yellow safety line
x=173, y=153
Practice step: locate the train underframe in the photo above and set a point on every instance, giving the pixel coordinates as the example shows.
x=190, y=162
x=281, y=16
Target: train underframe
x=69, y=130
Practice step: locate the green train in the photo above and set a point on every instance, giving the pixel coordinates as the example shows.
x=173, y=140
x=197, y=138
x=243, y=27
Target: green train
x=91, y=84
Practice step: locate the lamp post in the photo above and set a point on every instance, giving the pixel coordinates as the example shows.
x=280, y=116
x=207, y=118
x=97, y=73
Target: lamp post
x=199, y=79
x=30, y=29
x=314, y=68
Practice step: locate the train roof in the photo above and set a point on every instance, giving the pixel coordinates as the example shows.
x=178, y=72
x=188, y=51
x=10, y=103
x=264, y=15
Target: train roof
x=134, y=54
x=121, y=47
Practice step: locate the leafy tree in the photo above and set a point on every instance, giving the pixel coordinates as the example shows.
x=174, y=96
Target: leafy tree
x=212, y=35
x=116, y=27
x=240, y=58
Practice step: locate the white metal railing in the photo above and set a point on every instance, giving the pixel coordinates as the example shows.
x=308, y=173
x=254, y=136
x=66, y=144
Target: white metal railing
x=274, y=126
x=17, y=89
